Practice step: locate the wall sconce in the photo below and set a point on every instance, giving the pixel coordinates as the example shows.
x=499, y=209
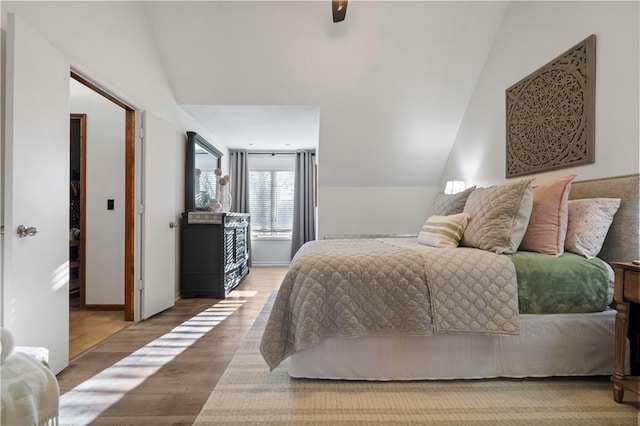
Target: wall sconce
x=454, y=186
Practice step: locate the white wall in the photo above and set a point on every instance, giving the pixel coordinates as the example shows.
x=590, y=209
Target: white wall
x=2, y=124
x=351, y=205
x=113, y=44
x=105, y=179
x=270, y=252
x=372, y=209
x=532, y=34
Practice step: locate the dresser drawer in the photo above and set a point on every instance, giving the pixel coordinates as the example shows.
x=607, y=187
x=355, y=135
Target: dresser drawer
x=213, y=253
x=632, y=286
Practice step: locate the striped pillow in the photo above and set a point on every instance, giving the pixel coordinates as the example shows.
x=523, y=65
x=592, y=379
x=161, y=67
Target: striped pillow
x=444, y=231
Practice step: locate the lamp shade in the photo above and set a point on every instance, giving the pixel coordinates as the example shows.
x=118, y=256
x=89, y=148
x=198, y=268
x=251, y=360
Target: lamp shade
x=454, y=186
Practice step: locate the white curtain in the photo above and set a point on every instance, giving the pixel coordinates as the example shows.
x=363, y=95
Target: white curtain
x=303, y=201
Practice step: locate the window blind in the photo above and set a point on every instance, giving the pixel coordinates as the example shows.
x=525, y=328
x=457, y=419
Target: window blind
x=271, y=201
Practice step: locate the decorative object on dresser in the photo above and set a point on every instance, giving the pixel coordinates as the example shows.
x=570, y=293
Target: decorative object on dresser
x=213, y=253
x=627, y=296
x=223, y=193
x=551, y=114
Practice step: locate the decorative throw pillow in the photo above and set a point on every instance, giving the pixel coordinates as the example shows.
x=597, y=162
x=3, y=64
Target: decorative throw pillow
x=499, y=216
x=444, y=231
x=548, y=222
x=448, y=204
x=588, y=224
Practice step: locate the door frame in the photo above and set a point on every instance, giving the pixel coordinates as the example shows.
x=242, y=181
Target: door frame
x=130, y=196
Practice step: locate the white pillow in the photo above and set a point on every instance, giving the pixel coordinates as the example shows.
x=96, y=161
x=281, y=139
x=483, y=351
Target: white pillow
x=588, y=224
x=444, y=231
x=499, y=216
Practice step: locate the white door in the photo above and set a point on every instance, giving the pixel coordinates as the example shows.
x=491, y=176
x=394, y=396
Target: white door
x=160, y=148
x=36, y=193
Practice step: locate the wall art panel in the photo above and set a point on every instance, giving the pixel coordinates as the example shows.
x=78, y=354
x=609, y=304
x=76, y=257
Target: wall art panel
x=551, y=114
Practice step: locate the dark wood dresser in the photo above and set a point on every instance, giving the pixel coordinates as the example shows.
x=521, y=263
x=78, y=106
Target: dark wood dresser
x=213, y=253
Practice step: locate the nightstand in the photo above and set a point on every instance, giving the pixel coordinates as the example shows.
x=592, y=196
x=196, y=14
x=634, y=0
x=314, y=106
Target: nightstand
x=627, y=291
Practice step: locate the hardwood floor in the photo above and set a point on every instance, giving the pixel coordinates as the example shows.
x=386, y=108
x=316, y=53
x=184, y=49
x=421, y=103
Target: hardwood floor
x=174, y=393
x=89, y=328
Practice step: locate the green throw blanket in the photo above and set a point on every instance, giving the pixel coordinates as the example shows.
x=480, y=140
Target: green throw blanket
x=565, y=284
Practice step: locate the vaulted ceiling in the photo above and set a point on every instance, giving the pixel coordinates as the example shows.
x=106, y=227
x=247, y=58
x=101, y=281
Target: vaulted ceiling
x=386, y=89
x=394, y=76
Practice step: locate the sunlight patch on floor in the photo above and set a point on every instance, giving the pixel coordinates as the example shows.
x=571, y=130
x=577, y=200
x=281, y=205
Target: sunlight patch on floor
x=243, y=293
x=84, y=403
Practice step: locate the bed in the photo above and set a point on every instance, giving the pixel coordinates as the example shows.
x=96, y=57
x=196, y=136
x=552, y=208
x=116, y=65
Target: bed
x=393, y=309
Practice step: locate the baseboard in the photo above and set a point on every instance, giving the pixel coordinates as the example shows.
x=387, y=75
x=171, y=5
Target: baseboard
x=279, y=264
x=104, y=307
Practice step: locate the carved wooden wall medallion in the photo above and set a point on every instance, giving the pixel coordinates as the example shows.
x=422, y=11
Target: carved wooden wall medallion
x=551, y=114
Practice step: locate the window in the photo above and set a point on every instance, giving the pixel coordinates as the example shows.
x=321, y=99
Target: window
x=271, y=202
x=205, y=186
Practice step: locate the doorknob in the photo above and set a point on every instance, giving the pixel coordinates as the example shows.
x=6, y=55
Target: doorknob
x=23, y=231
x=173, y=225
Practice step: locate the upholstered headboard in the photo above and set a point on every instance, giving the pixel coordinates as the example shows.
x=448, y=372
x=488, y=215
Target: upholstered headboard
x=621, y=244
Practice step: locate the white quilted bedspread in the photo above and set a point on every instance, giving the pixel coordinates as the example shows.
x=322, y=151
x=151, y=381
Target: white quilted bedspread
x=364, y=287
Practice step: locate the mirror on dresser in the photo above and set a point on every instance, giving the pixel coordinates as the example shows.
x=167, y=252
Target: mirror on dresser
x=201, y=160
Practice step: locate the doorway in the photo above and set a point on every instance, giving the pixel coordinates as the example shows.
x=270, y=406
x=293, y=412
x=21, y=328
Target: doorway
x=101, y=231
x=77, y=210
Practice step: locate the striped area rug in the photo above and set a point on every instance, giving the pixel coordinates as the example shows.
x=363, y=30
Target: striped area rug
x=248, y=394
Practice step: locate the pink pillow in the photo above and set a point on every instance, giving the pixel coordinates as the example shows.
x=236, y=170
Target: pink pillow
x=547, y=227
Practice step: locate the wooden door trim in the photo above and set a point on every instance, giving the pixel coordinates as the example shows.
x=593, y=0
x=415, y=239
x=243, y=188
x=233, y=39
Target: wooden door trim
x=82, y=250
x=130, y=195
x=102, y=92
x=129, y=218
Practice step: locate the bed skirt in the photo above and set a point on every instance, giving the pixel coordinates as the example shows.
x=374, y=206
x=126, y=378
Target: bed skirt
x=548, y=345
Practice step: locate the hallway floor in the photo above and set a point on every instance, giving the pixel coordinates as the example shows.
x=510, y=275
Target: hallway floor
x=88, y=328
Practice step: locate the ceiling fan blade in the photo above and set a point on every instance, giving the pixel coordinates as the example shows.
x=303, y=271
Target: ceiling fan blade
x=339, y=9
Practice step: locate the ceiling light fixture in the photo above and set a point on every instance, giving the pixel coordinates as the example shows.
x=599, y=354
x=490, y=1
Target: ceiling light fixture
x=339, y=9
